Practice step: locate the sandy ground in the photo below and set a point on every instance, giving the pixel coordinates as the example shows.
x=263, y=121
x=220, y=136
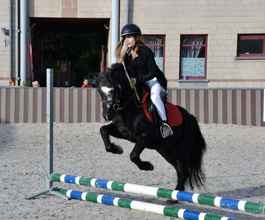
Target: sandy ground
x=234, y=166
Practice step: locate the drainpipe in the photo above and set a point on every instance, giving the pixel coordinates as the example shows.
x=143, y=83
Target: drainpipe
x=18, y=42
x=129, y=4
x=127, y=11
x=23, y=41
x=115, y=28
x=11, y=40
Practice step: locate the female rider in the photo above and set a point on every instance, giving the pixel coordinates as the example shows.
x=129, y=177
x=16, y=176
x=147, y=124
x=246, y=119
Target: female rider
x=140, y=63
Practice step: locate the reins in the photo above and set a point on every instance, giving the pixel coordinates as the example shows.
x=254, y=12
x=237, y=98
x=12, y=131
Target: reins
x=132, y=84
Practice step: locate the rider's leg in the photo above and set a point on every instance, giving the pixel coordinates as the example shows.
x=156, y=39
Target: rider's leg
x=155, y=96
x=156, y=91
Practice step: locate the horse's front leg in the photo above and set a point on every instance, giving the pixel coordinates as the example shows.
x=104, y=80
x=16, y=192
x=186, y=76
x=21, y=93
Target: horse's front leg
x=135, y=158
x=110, y=130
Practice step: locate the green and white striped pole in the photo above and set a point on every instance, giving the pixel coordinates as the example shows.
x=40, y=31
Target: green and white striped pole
x=202, y=199
x=138, y=205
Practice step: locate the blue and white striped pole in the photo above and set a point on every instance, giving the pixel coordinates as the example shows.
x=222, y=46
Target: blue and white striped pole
x=203, y=199
x=138, y=205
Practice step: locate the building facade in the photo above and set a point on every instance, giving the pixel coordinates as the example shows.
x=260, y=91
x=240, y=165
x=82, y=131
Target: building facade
x=197, y=43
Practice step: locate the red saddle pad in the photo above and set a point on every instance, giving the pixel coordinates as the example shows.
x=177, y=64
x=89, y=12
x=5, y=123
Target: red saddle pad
x=174, y=116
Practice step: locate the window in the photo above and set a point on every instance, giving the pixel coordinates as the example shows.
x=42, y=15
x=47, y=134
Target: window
x=193, y=56
x=157, y=44
x=251, y=45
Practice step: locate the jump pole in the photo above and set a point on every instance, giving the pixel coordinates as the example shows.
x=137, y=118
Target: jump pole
x=49, y=120
x=264, y=106
x=50, y=123
x=138, y=205
x=202, y=199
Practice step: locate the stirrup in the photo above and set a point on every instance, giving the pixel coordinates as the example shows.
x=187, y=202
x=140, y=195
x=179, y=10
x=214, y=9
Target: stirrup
x=165, y=130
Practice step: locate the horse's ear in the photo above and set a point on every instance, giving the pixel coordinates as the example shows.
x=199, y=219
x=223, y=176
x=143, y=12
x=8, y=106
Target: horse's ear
x=98, y=79
x=116, y=70
x=101, y=76
x=116, y=66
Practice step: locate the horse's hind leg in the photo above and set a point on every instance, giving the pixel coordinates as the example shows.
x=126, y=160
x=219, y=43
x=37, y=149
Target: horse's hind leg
x=106, y=131
x=135, y=158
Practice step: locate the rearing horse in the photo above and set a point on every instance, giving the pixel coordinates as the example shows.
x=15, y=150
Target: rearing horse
x=183, y=150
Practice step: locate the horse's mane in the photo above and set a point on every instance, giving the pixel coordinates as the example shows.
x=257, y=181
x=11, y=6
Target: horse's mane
x=110, y=74
x=116, y=66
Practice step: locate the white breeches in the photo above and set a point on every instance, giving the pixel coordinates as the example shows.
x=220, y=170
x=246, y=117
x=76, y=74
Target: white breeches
x=157, y=91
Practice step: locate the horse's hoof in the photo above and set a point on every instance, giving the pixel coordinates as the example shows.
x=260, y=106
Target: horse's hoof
x=171, y=201
x=145, y=165
x=115, y=149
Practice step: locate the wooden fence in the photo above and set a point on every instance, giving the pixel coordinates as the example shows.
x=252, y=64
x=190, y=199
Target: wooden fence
x=226, y=106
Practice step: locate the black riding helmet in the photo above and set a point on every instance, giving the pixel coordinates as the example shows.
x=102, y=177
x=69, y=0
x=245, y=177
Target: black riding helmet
x=130, y=29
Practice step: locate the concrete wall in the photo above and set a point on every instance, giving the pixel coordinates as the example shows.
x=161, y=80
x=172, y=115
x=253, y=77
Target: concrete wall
x=221, y=106
x=222, y=21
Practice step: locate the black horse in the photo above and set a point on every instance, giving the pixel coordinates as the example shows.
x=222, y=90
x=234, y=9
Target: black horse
x=183, y=150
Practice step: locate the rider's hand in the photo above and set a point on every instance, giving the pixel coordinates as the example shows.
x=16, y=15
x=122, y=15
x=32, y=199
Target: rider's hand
x=123, y=50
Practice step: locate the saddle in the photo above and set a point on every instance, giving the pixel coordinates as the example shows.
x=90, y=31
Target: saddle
x=174, y=116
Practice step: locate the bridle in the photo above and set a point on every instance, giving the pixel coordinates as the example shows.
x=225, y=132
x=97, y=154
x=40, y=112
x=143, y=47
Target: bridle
x=117, y=104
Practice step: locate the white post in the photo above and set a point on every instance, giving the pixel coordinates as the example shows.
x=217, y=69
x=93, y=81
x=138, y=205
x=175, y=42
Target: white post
x=11, y=43
x=49, y=119
x=264, y=105
x=49, y=111
x=23, y=41
x=115, y=28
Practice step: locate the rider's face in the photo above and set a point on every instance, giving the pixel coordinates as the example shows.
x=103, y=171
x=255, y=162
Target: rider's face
x=129, y=41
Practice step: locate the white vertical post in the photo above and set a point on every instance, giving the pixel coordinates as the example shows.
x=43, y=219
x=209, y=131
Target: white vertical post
x=115, y=28
x=49, y=119
x=11, y=39
x=23, y=41
x=264, y=105
x=49, y=112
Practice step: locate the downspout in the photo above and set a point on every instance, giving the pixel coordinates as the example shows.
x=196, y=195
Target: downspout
x=115, y=28
x=127, y=11
x=11, y=40
x=18, y=42
x=23, y=41
x=129, y=4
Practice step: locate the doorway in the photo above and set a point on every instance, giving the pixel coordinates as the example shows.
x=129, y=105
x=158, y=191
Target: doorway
x=75, y=48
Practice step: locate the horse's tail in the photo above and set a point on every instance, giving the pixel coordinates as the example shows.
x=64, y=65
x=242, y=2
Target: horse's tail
x=197, y=148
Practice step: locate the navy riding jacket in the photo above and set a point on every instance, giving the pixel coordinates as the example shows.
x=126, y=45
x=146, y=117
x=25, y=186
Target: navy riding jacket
x=143, y=67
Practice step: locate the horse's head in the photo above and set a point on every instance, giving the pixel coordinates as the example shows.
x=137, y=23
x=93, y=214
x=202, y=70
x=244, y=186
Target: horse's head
x=110, y=86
